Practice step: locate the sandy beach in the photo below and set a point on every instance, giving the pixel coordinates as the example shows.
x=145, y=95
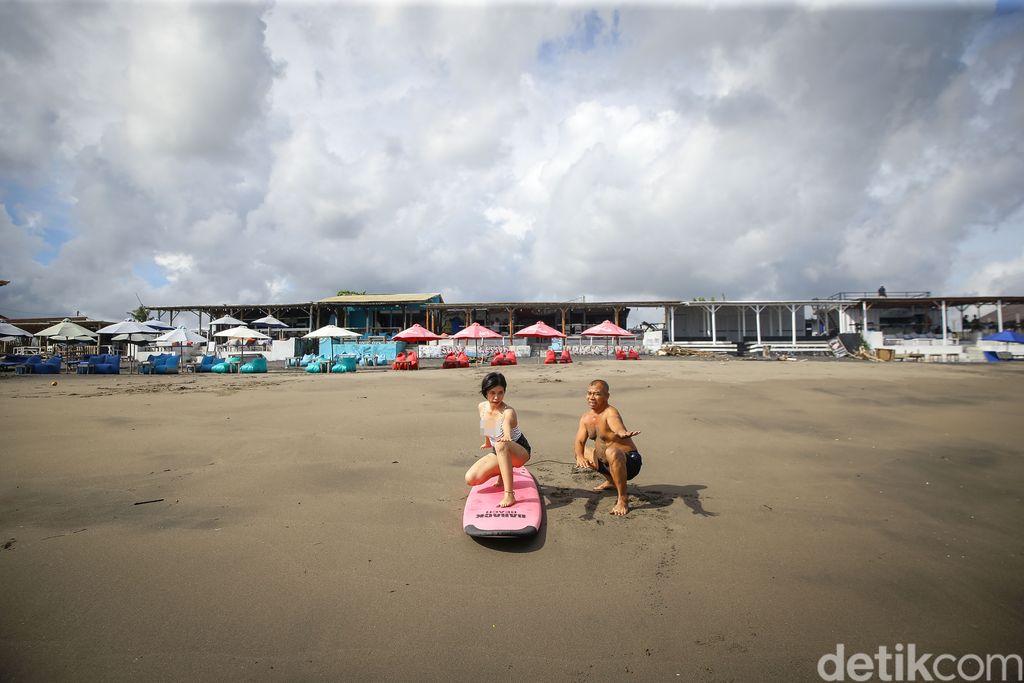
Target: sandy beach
x=309, y=527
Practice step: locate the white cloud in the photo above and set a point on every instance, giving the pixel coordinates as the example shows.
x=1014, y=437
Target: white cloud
x=266, y=151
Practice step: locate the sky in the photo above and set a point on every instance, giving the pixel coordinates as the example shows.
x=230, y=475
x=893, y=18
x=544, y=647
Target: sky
x=278, y=152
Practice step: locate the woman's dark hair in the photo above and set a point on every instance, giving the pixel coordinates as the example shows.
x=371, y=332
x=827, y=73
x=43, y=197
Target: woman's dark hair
x=493, y=379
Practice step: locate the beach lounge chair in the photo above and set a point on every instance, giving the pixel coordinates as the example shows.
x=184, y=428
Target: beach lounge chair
x=38, y=366
x=165, y=364
x=102, y=364
x=207, y=363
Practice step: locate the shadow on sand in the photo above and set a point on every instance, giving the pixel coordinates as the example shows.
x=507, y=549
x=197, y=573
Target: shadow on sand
x=527, y=544
x=641, y=498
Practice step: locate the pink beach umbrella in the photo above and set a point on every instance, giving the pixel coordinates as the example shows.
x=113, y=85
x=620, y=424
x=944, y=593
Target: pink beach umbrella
x=607, y=329
x=416, y=334
x=477, y=331
x=540, y=330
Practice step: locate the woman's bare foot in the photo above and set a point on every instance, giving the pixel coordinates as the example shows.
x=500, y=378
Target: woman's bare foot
x=508, y=501
x=499, y=483
x=607, y=486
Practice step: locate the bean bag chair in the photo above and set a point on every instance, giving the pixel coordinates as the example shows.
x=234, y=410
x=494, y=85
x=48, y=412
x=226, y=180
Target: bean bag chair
x=499, y=359
x=620, y=354
x=565, y=357
x=450, y=361
x=50, y=366
x=463, y=360
x=256, y=365
x=510, y=358
x=634, y=354
x=399, y=363
x=313, y=367
x=549, y=357
x=412, y=361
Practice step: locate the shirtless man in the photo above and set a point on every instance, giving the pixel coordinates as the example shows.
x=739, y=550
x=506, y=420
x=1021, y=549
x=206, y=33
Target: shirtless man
x=613, y=455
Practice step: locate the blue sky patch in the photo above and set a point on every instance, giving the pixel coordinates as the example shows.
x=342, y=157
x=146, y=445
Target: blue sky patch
x=153, y=274
x=40, y=211
x=590, y=33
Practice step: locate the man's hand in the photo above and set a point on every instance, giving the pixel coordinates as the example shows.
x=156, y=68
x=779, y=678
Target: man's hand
x=626, y=435
x=581, y=461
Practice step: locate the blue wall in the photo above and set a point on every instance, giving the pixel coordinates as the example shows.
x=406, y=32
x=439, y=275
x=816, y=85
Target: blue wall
x=389, y=350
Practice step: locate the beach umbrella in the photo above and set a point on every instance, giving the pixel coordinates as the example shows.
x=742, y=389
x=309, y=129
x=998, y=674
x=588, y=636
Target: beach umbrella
x=416, y=334
x=1006, y=336
x=9, y=330
x=539, y=330
x=130, y=330
x=241, y=332
x=158, y=324
x=607, y=329
x=66, y=330
x=477, y=331
x=227, y=320
x=268, y=321
x=177, y=337
x=331, y=332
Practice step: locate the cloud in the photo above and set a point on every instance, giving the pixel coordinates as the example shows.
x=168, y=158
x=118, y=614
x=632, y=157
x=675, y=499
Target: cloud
x=244, y=152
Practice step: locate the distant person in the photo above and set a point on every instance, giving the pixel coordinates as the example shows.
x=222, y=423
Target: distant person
x=500, y=426
x=614, y=455
x=881, y=291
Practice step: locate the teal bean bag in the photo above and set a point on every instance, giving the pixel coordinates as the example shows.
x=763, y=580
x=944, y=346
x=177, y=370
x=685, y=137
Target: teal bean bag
x=254, y=366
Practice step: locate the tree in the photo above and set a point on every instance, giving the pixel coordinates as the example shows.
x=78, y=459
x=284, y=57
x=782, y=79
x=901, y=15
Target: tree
x=347, y=292
x=141, y=314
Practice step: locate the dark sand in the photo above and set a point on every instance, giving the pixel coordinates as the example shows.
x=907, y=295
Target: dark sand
x=310, y=527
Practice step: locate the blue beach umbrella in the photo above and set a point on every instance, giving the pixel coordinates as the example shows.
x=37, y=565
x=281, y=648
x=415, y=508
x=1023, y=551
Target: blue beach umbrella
x=1005, y=336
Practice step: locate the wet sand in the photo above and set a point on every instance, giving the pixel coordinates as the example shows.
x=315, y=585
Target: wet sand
x=309, y=527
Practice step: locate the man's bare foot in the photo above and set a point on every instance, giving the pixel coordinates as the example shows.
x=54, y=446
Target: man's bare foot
x=621, y=508
x=508, y=501
x=607, y=486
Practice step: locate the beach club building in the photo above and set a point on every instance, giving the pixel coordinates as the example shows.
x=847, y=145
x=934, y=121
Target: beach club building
x=914, y=325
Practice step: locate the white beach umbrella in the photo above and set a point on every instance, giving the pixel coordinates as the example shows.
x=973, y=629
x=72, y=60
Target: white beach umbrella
x=130, y=330
x=9, y=330
x=331, y=332
x=158, y=324
x=269, y=322
x=177, y=337
x=226, y=320
x=241, y=332
x=66, y=330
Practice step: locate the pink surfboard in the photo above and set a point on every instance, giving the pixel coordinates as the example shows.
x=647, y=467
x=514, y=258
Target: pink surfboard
x=483, y=518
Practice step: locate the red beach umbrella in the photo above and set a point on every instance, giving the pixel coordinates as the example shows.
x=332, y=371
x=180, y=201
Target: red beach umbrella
x=416, y=334
x=478, y=332
x=606, y=329
x=539, y=329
